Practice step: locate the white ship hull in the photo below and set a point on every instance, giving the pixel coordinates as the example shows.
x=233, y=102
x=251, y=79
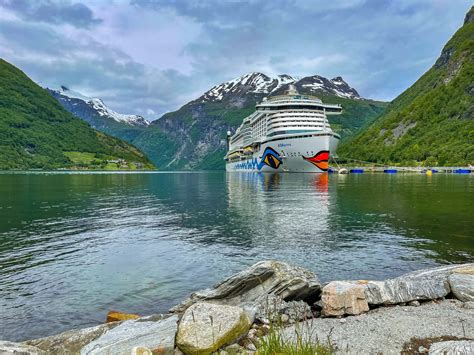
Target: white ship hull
x=306, y=153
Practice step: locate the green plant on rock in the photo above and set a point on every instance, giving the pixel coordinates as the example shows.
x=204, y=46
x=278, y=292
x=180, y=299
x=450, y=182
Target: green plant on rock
x=277, y=341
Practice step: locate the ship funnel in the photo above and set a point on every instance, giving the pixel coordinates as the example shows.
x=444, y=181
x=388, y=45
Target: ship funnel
x=292, y=90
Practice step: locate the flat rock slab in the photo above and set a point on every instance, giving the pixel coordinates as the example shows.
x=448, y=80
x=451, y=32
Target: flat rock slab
x=419, y=285
x=72, y=341
x=460, y=347
x=157, y=336
x=255, y=283
x=385, y=330
x=8, y=347
x=113, y=338
x=206, y=327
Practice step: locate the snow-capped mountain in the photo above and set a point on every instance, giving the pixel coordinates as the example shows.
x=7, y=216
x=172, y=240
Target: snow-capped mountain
x=258, y=83
x=335, y=86
x=88, y=108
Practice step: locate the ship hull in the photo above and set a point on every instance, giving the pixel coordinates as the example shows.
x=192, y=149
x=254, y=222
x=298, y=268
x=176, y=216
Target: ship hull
x=306, y=154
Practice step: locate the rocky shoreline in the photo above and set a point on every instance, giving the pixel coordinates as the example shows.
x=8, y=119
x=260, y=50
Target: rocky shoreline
x=428, y=311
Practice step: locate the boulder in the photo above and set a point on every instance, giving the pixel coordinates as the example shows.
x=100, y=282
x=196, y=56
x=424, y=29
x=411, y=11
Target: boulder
x=462, y=285
x=115, y=316
x=155, y=335
x=8, y=347
x=453, y=347
x=206, y=327
x=252, y=285
x=419, y=285
x=342, y=297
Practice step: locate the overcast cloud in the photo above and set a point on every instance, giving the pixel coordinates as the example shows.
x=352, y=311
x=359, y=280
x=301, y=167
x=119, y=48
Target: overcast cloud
x=152, y=56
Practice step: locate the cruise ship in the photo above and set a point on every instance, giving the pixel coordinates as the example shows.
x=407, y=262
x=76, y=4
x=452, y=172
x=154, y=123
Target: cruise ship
x=286, y=133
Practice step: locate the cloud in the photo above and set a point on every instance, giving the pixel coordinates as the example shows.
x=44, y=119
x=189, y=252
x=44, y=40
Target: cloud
x=75, y=14
x=152, y=56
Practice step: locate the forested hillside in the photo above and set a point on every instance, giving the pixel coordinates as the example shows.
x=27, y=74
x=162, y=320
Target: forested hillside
x=37, y=133
x=432, y=122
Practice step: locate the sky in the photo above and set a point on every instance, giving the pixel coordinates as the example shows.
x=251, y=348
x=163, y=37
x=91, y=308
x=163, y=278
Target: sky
x=148, y=57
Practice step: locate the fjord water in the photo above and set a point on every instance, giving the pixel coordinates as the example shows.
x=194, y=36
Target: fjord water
x=75, y=245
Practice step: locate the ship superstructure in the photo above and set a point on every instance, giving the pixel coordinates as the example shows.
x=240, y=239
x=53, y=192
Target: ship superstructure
x=288, y=133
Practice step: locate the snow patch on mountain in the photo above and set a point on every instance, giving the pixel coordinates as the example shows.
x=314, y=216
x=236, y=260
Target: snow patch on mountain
x=101, y=108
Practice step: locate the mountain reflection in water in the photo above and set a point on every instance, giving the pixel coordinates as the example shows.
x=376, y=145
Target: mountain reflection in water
x=83, y=243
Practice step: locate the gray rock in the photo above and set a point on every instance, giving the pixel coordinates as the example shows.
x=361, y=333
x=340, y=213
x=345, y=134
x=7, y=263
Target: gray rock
x=72, y=341
x=285, y=318
x=453, y=347
x=8, y=347
x=414, y=303
x=155, y=335
x=253, y=285
x=206, y=327
x=462, y=286
x=419, y=285
x=274, y=309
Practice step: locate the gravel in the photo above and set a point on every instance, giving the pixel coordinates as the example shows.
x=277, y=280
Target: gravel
x=386, y=329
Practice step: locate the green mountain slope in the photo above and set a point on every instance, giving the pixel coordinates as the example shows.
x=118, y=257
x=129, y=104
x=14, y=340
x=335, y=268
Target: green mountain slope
x=37, y=133
x=194, y=137
x=432, y=122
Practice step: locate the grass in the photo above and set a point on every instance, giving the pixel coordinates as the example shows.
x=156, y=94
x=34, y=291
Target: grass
x=81, y=157
x=278, y=341
x=275, y=342
x=86, y=160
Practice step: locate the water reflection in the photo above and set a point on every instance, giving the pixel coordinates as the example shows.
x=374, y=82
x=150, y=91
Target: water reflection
x=280, y=208
x=86, y=243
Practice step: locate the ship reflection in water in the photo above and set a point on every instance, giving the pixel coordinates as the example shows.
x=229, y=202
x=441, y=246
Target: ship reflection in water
x=83, y=244
x=279, y=208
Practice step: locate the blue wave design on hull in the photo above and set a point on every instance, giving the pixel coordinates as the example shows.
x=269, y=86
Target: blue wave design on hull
x=253, y=164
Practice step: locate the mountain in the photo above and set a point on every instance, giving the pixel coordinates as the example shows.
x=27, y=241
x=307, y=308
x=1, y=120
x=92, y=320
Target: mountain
x=432, y=122
x=194, y=137
x=37, y=133
x=98, y=115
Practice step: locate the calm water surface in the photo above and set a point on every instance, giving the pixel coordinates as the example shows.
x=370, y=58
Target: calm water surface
x=74, y=246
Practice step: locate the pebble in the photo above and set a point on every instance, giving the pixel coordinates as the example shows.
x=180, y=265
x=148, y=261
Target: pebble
x=252, y=334
x=414, y=303
x=343, y=320
x=251, y=347
x=422, y=350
